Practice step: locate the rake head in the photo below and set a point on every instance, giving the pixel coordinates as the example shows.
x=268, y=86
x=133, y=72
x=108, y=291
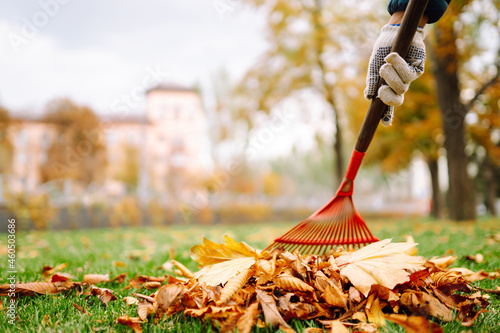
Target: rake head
x=338, y=223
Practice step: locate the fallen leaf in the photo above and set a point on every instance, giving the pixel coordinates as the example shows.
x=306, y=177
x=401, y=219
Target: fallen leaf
x=95, y=278
x=103, y=294
x=31, y=288
x=271, y=313
x=383, y=263
x=119, y=264
x=234, y=285
x=168, y=295
x=247, y=320
x=220, y=273
x=333, y=296
x=423, y=304
x=79, y=308
x=134, y=323
x=414, y=324
x=288, y=282
x=145, y=308
x=152, y=285
x=210, y=253
x=119, y=278
x=374, y=312
x=337, y=327
x=184, y=270
x=131, y=300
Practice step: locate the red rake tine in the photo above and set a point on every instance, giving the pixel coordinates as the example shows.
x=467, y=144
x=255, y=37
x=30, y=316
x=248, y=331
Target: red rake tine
x=337, y=223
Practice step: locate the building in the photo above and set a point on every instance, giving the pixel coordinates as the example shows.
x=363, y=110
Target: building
x=169, y=139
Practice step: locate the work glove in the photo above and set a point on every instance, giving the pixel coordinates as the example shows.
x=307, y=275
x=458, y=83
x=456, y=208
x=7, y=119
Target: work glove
x=397, y=72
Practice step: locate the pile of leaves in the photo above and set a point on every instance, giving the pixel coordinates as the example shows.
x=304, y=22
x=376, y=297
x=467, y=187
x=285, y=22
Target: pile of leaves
x=360, y=289
x=239, y=287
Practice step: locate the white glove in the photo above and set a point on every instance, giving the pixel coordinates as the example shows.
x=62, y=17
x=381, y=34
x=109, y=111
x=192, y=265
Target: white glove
x=397, y=72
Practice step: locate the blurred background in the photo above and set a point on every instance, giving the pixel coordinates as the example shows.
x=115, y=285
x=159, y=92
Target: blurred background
x=158, y=112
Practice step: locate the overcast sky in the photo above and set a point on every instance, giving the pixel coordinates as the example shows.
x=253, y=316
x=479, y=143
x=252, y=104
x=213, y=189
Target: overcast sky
x=95, y=51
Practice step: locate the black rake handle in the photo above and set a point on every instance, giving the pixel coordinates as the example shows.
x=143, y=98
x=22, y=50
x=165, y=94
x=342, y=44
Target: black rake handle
x=409, y=25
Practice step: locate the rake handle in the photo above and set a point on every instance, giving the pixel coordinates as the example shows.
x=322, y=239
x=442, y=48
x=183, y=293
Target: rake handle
x=409, y=25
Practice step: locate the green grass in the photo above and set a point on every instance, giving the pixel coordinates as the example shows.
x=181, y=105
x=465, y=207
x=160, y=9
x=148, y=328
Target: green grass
x=145, y=249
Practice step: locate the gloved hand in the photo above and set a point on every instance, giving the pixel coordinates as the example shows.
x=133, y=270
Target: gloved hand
x=397, y=72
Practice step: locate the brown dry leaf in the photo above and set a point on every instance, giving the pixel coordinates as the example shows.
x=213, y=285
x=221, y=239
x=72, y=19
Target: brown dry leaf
x=288, y=282
x=81, y=309
x=210, y=310
x=145, y=308
x=184, y=270
x=423, y=304
x=96, y=278
x=234, y=285
x=247, y=320
x=367, y=328
x=338, y=327
x=120, y=278
x=271, y=313
x=31, y=288
x=138, y=281
x=134, y=323
x=103, y=294
x=130, y=300
x=478, y=257
x=313, y=330
x=333, y=296
x=152, y=285
x=49, y=270
x=443, y=262
x=414, y=324
x=168, y=295
x=60, y=277
x=360, y=316
x=383, y=263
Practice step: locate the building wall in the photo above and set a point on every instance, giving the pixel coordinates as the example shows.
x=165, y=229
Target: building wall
x=171, y=137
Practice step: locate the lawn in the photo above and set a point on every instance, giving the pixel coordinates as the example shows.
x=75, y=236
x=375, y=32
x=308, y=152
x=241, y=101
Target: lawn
x=142, y=251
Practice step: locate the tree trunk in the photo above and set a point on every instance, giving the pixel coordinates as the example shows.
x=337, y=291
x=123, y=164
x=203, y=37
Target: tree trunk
x=487, y=173
x=436, y=191
x=461, y=203
x=327, y=90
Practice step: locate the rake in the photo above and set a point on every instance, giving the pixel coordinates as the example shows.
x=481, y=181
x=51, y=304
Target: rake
x=338, y=223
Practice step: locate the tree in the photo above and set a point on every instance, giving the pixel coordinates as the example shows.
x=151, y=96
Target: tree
x=309, y=40
x=129, y=167
x=78, y=150
x=6, y=146
x=449, y=60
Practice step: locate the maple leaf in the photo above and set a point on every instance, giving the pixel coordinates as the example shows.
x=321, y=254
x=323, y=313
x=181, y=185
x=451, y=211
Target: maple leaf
x=210, y=253
x=383, y=263
x=222, y=261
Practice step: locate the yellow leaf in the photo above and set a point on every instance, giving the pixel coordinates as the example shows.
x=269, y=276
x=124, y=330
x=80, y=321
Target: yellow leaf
x=234, y=285
x=338, y=327
x=210, y=253
x=220, y=273
x=289, y=282
x=383, y=263
x=374, y=312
